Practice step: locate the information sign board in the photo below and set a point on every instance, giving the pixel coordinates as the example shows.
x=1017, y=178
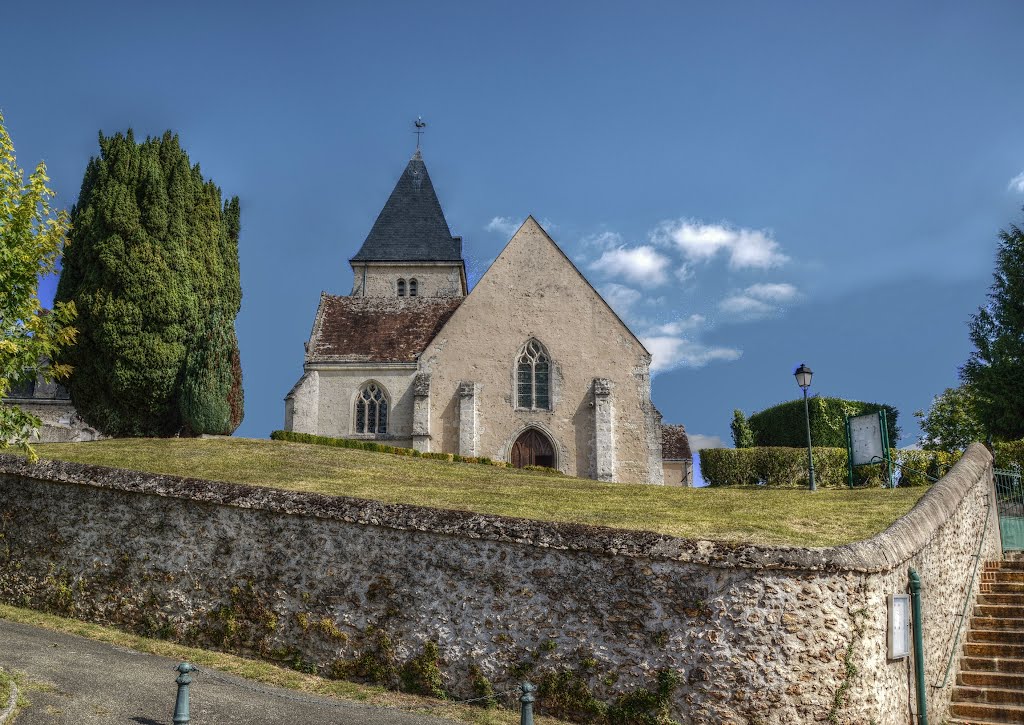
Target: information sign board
x=866, y=440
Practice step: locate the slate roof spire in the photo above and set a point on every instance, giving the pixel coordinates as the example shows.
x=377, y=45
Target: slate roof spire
x=411, y=227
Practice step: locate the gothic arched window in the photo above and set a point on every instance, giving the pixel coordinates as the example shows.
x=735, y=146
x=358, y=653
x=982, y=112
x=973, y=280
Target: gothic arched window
x=533, y=377
x=371, y=410
x=412, y=287
x=401, y=288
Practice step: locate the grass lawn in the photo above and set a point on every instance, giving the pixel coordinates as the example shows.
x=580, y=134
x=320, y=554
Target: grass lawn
x=272, y=674
x=777, y=516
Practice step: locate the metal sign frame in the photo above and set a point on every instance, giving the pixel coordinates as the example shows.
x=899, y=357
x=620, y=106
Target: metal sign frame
x=883, y=429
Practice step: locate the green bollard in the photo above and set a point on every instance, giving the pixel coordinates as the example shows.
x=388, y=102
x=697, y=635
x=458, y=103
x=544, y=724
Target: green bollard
x=526, y=699
x=181, y=716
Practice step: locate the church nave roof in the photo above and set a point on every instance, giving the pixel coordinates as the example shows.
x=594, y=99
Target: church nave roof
x=376, y=329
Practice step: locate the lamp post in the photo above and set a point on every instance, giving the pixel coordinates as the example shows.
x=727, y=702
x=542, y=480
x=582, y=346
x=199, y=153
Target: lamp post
x=803, y=379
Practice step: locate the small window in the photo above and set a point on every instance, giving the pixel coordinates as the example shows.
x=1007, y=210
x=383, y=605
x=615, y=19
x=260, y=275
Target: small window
x=372, y=410
x=533, y=377
x=401, y=288
x=412, y=287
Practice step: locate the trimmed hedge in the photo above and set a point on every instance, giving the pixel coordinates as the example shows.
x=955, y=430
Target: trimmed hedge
x=374, y=447
x=780, y=467
x=784, y=424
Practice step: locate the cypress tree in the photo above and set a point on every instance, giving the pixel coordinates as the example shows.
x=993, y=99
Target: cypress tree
x=995, y=370
x=153, y=266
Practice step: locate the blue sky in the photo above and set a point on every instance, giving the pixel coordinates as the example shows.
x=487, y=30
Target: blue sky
x=752, y=185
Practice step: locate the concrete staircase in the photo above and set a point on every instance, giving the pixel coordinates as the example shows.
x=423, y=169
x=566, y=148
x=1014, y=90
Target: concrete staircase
x=990, y=686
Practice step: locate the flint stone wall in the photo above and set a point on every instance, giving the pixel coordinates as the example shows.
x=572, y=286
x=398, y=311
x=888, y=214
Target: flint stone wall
x=753, y=634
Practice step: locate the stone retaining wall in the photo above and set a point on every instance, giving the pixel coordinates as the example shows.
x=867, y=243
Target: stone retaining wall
x=607, y=621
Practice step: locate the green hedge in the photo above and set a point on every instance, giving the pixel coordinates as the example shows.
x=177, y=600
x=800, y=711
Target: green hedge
x=373, y=446
x=784, y=424
x=787, y=467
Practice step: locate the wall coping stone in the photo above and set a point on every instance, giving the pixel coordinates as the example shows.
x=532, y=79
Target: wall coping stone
x=883, y=552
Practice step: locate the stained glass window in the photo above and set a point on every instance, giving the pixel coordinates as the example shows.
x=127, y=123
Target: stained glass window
x=372, y=410
x=533, y=377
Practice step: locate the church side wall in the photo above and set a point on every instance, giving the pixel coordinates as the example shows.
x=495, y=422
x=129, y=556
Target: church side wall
x=746, y=634
x=532, y=290
x=339, y=387
x=431, y=281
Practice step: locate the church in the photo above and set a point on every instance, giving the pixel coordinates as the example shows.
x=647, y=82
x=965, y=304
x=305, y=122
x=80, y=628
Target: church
x=531, y=367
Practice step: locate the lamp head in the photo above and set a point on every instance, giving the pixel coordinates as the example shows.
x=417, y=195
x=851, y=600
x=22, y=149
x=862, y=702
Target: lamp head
x=803, y=376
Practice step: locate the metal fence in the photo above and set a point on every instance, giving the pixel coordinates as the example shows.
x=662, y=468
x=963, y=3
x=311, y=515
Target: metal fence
x=1010, y=502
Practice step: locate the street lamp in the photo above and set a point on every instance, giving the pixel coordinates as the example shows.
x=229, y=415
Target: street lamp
x=803, y=379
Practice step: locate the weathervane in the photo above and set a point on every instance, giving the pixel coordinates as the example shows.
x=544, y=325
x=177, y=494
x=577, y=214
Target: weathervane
x=420, y=125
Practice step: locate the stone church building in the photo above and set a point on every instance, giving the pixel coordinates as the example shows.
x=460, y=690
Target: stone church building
x=531, y=367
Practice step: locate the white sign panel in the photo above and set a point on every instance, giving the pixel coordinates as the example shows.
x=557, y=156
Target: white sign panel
x=866, y=439
x=899, y=626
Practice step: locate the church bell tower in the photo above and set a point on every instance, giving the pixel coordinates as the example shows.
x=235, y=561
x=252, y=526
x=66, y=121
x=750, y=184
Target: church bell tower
x=410, y=251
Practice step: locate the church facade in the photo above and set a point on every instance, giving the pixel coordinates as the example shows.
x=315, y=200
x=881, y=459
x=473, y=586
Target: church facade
x=531, y=367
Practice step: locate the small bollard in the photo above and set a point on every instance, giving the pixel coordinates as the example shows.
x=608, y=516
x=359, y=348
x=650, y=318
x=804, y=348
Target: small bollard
x=181, y=716
x=526, y=699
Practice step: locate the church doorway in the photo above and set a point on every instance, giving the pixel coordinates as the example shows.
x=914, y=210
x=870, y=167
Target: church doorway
x=533, y=448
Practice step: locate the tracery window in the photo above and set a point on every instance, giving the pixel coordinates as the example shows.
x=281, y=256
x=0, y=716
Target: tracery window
x=372, y=410
x=412, y=287
x=401, y=288
x=533, y=377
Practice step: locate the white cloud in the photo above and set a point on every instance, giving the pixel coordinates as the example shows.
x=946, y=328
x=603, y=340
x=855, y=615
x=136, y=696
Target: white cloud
x=699, y=242
x=1017, y=183
x=641, y=265
x=699, y=442
x=679, y=326
x=620, y=297
x=776, y=292
x=668, y=352
x=745, y=307
x=758, y=300
x=506, y=226
x=602, y=240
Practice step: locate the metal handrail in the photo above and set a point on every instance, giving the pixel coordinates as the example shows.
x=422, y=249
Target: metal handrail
x=967, y=597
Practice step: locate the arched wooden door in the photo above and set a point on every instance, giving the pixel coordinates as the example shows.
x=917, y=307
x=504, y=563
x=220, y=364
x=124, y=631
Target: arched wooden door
x=533, y=448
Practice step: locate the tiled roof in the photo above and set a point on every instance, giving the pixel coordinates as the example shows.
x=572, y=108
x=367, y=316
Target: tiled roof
x=675, y=446
x=411, y=227
x=376, y=329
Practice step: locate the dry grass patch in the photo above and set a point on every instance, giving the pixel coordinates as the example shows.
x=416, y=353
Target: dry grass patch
x=761, y=516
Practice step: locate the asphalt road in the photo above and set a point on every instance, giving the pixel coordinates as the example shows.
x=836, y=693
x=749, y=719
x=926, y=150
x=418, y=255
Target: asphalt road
x=89, y=682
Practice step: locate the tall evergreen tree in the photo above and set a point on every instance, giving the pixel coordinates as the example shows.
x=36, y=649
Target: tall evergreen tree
x=995, y=370
x=153, y=270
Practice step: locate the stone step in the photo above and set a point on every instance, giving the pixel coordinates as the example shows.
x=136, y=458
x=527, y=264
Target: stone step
x=1008, y=623
x=1001, y=587
x=999, y=611
x=985, y=664
x=990, y=649
x=1002, y=577
x=1007, y=680
x=1004, y=600
x=988, y=695
x=972, y=721
x=997, y=636
x=1005, y=565
x=985, y=712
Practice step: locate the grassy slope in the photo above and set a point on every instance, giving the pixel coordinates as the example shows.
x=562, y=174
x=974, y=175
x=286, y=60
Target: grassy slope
x=785, y=516
x=272, y=674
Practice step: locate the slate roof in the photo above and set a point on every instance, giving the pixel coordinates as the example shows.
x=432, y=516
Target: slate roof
x=376, y=329
x=675, y=446
x=411, y=227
